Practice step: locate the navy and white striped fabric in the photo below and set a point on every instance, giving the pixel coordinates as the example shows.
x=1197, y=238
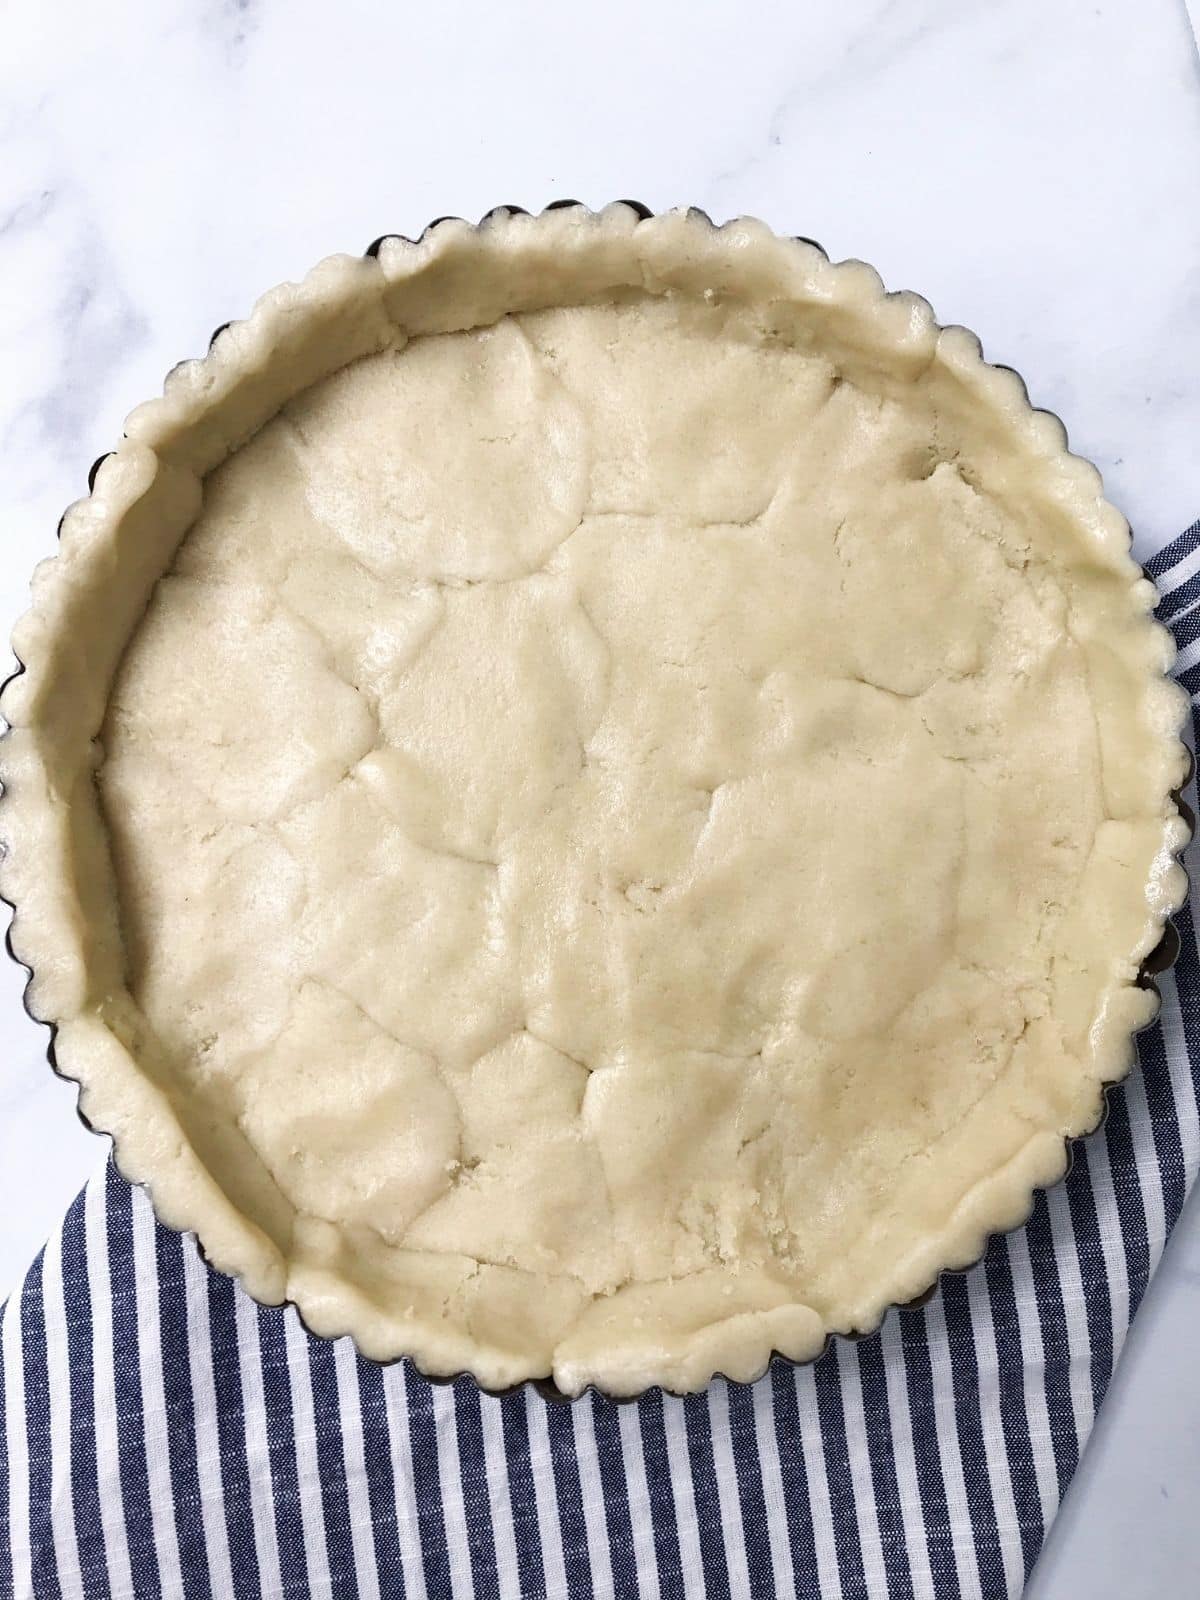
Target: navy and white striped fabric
x=164, y=1436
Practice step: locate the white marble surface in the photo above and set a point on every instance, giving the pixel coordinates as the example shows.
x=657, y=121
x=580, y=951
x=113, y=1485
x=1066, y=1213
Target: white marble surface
x=1032, y=167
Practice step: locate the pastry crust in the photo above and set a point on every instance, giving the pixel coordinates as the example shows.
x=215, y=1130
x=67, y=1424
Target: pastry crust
x=588, y=796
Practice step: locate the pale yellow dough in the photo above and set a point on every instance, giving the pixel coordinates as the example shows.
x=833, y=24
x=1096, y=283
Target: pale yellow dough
x=628, y=824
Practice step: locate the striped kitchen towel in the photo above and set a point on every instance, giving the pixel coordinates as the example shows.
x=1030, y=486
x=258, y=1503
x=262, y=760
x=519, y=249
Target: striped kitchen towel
x=165, y=1436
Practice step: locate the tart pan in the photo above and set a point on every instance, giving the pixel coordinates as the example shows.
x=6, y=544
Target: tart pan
x=1159, y=960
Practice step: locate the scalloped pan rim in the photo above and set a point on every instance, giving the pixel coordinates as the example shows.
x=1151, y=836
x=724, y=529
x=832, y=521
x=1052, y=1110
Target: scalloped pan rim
x=1158, y=960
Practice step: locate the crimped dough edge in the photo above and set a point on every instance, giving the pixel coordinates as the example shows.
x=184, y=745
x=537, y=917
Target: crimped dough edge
x=89, y=598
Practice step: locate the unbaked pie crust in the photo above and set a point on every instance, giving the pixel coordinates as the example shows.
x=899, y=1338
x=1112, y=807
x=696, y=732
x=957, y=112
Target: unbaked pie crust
x=587, y=798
